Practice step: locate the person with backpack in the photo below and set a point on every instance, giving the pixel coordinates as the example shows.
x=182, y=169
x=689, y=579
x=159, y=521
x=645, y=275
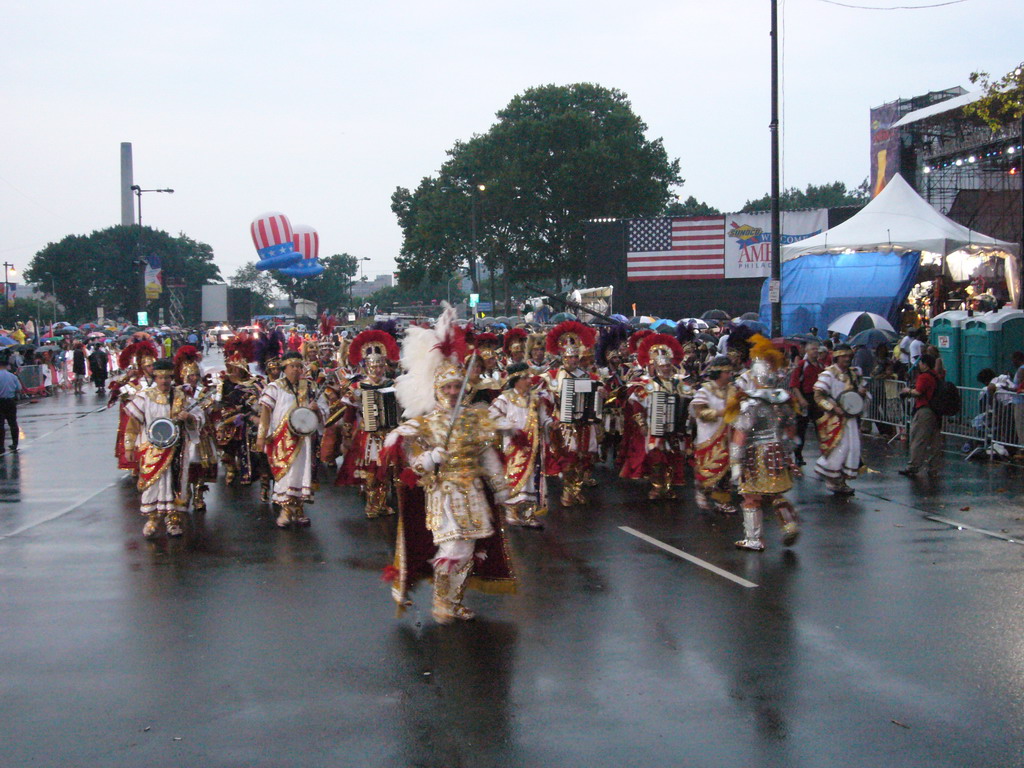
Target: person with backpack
x=926, y=423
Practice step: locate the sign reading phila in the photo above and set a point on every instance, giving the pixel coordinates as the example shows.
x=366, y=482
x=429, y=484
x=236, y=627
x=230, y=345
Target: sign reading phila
x=748, y=238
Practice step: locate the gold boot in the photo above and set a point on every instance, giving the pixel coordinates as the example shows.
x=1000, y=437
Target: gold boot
x=442, y=609
x=198, y=492
x=152, y=526
x=175, y=524
x=264, y=489
x=377, y=499
x=459, y=581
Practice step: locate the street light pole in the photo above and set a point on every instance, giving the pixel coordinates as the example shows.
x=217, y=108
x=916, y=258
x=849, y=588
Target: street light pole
x=138, y=194
x=140, y=260
x=53, y=294
x=450, y=287
x=474, y=193
x=7, y=285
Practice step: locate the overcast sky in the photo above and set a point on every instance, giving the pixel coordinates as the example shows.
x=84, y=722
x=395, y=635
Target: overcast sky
x=320, y=109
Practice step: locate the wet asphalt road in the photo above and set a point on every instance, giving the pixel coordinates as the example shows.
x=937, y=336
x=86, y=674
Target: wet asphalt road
x=883, y=638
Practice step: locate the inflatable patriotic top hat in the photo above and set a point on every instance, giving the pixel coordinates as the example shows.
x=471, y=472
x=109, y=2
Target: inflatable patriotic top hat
x=306, y=242
x=570, y=339
x=272, y=236
x=659, y=349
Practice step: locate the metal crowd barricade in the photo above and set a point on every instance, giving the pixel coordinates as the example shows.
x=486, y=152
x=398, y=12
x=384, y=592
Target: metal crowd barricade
x=990, y=424
x=1002, y=419
x=886, y=407
x=970, y=424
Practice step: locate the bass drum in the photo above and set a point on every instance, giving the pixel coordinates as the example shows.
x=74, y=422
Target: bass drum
x=852, y=403
x=303, y=421
x=163, y=433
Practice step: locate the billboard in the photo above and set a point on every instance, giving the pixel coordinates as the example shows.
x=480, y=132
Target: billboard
x=215, y=304
x=885, y=145
x=748, y=238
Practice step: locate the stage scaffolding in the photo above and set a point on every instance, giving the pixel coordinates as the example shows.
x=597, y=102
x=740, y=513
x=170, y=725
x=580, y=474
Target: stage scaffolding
x=968, y=172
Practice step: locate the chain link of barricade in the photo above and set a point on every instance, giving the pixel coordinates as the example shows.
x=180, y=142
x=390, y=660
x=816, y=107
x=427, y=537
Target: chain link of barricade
x=992, y=424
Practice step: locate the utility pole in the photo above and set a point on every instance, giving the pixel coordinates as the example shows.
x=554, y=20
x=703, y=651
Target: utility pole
x=775, y=283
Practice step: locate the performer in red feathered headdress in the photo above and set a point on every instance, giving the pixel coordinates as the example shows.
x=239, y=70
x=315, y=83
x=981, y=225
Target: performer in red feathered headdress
x=579, y=404
x=372, y=412
x=514, y=344
x=235, y=428
x=136, y=362
x=486, y=379
x=656, y=449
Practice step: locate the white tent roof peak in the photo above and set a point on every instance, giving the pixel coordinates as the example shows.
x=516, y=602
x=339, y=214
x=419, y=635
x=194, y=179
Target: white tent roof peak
x=897, y=219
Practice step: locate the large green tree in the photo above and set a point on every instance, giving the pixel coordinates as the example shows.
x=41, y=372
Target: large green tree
x=1003, y=102
x=331, y=289
x=832, y=195
x=556, y=157
x=259, y=282
x=691, y=206
x=105, y=269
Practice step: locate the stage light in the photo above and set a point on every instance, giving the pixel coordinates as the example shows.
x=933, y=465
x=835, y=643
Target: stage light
x=959, y=161
x=927, y=169
x=971, y=159
x=1010, y=150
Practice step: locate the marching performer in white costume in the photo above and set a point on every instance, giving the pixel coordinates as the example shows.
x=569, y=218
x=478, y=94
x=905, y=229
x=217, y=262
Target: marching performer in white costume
x=840, y=395
x=288, y=440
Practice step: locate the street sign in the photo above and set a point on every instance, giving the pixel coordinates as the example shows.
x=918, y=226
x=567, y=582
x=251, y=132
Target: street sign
x=474, y=299
x=484, y=306
x=774, y=291
x=143, y=319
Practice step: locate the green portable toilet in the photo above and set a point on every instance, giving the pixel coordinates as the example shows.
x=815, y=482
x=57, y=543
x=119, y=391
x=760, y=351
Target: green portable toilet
x=988, y=342
x=947, y=336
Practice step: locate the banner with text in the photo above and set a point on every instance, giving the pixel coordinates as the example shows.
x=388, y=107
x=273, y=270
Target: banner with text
x=748, y=238
x=154, y=277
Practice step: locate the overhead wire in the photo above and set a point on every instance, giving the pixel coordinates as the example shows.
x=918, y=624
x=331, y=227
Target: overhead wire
x=892, y=7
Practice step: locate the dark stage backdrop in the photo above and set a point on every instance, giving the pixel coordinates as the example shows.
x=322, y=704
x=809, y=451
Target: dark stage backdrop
x=606, y=265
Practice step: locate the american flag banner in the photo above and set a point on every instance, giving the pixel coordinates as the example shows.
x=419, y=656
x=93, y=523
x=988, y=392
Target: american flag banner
x=676, y=249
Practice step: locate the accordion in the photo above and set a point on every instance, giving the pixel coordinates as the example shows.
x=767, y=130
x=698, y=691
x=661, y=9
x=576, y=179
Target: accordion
x=579, y=402
x=666, y=414
x=380, y=409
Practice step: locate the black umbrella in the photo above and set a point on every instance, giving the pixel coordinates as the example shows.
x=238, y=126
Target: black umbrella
x=749, y=316
x=873, y=337
x=715, y=314
x=22, y=347
x=707, y=337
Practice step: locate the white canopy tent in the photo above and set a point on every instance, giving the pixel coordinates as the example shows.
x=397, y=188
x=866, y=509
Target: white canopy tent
x=900, y=220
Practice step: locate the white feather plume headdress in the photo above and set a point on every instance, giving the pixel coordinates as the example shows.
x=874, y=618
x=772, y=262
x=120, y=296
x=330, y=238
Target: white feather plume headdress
x=424, y=351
